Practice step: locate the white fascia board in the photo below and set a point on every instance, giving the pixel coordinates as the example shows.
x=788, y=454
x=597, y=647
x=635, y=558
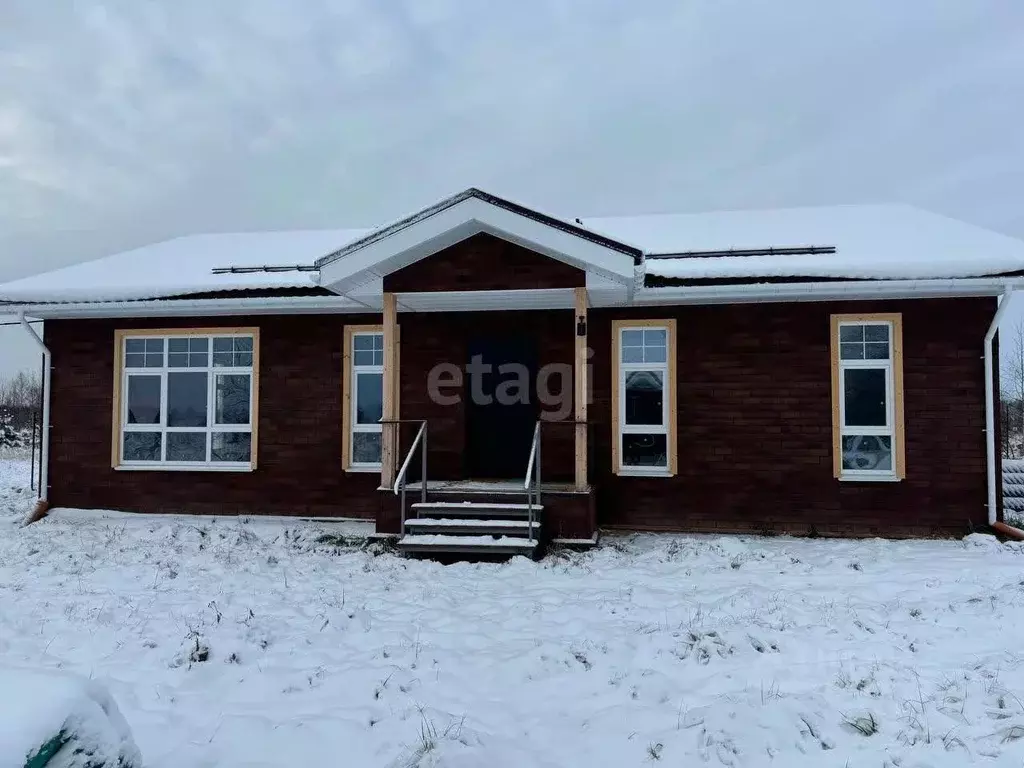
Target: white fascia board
x=464, y=219
x=369, y=294
x=282, y=305
x=828, y=291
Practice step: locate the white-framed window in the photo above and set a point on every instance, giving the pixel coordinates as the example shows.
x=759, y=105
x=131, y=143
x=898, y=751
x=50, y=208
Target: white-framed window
x=186, y=399
x=644, y=417
x=366, y=400
x=867, y=388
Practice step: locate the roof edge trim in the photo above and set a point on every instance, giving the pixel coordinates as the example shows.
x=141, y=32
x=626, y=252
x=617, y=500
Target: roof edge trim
x=499, y=202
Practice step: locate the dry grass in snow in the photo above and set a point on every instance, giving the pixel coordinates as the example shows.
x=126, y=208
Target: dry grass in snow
x=262, y=644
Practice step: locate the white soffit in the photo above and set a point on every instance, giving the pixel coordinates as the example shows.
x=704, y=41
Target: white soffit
x=464, y=219
x=481, y=301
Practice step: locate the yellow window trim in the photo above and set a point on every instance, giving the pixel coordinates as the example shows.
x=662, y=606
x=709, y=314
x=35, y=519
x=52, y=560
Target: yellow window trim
x=346, y=386
x=895, y=319
x=670, y=393
x=127, y=333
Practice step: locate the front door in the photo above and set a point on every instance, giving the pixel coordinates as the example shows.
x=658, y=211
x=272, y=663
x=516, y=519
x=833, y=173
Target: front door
x=501, y=405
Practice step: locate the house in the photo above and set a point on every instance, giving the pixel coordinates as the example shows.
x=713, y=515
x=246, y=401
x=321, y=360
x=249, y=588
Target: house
x=484, y=376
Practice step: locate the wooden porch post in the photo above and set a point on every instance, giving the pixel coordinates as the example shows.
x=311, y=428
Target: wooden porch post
x=580, y=388
x=389, y=434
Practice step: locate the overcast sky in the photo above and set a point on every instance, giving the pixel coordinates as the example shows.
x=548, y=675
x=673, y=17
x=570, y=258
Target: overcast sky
x=128, y=122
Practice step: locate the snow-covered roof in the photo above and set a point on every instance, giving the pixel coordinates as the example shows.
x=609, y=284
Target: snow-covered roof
x=882, y=242
x=871, y=241
x=185, y=265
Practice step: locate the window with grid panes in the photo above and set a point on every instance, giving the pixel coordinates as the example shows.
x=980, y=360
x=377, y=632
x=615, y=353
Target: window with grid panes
x=367, y=401
x=187, y=401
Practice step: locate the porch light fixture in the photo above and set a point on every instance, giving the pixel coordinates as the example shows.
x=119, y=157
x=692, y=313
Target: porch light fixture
x=581, y=325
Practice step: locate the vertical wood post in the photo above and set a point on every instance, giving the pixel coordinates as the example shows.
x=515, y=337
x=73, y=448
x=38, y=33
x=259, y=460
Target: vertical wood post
x=389, y=434
x=580, y=386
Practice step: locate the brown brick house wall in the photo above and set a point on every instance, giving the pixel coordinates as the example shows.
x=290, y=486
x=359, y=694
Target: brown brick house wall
x=300, y=437
x=755, y=436
x=754, y=406
x=299, y=471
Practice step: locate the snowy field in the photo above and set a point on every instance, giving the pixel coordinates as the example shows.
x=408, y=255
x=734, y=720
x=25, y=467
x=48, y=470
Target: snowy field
x=253, y=644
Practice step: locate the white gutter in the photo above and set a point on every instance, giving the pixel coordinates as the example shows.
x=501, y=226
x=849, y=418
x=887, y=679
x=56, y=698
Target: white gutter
x=990, y=406
x=194, y=307
x=44, y=472
x=826, y=291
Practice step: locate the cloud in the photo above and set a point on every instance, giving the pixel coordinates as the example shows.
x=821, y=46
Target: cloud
x=124, y=122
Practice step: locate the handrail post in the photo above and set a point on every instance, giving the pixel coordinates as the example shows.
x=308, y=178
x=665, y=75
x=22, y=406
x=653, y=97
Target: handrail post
x=529, y=507
x=395, y=441
x=540, y=433
x=532, y=477
x=423, y=467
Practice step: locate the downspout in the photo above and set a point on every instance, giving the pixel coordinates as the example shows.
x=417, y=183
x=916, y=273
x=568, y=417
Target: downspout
x=44, y=474
x=990, y=422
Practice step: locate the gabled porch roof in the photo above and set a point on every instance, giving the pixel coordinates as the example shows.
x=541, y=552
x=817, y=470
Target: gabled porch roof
x=421, y=234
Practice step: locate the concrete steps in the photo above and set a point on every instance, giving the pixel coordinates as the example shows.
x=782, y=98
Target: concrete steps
x=471, y=530
x=471, y=527
x=466, y=544
x=474, y=509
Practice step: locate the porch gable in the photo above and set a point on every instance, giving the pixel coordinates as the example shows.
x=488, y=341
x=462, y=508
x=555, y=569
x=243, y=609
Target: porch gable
x=457, y=219
x=484, y=262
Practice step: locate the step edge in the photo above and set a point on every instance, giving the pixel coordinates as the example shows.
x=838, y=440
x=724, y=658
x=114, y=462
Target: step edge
x=470, y=505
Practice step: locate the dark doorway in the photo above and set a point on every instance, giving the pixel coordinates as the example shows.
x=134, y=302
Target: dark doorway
x=501, y=405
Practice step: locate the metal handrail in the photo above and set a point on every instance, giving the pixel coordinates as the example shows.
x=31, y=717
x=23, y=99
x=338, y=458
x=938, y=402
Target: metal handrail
x=400, y=479
x=532, y=488
x=533, y=453
x=400, y=484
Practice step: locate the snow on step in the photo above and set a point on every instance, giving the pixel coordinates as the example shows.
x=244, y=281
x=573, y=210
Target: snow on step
x=432, y=522
x=457, y=542
x=446, y=505
x=474, y=509
x=471, y=527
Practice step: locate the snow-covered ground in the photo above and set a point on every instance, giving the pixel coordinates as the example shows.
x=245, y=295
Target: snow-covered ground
x=229, y=644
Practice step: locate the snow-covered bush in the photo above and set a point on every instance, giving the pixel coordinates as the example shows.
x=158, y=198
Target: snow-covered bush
x=61, y=721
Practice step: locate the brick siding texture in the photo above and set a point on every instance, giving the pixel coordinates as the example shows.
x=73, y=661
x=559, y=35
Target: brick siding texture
x=485, y=263
x=754, y=424
x=299, y=462
x=754, y=432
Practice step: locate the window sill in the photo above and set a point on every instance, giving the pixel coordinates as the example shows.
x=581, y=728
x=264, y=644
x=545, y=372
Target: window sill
x=184, y=468
x=635, y=472
x=868, y=479
x=363, y=469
